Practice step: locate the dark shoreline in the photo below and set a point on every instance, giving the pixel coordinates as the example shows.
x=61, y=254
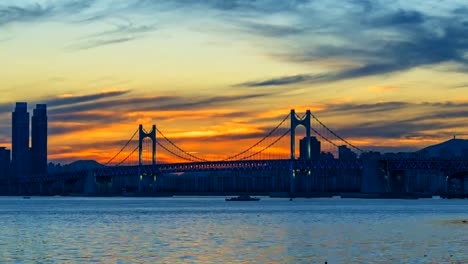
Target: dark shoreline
x=271, y=195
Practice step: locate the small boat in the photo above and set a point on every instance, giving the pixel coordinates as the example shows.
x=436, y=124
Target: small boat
x=26, y=197
x=242, y=198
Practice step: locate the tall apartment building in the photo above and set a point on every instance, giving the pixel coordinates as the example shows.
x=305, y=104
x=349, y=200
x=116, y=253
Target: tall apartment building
x=39, y=139
x=315, y=148
x=344, y=153
x=4, y=164
x=21, y=163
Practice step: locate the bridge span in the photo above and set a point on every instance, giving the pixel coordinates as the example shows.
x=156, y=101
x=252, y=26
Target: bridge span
x=153, y=162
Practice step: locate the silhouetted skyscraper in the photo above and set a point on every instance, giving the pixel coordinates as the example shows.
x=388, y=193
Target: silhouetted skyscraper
x=344, y=153
x=4, y=163
x=314, y=148
x=39, y=139
x=20, y=140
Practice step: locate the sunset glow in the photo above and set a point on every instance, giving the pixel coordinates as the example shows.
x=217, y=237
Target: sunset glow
x=216, y=76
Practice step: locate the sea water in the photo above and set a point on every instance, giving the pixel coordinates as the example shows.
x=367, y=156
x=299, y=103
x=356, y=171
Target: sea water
x=211, y=230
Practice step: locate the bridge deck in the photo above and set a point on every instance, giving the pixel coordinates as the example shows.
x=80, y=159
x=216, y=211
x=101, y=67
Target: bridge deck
x=446, y=165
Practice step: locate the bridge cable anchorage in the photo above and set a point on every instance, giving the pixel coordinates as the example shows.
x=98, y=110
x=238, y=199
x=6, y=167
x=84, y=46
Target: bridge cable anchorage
x=267, y=147
x=342, y=139
x=120, y=151
x=177, y=147
x=260, y=141
x=173, y=153
x=129, y=155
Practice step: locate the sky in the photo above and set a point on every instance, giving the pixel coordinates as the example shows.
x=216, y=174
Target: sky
x=385, y=75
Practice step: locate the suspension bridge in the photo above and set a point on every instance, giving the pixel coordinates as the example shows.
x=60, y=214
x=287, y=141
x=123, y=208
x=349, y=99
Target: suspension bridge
x=151, y=161
x=266, y=152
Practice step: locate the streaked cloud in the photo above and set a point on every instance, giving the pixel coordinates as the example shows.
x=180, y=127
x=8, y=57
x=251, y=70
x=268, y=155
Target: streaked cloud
x=123, y=32
x=245, y=64
x=459, y=86
x=31, y=13
x=384, y=41
x=285, y=80
x=34, y=11
x=161, y=103
x=69, y=99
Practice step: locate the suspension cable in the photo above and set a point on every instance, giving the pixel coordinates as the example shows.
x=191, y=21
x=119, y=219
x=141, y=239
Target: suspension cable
x=271, y=144
x=127, y=156
x=344, y=140
x=175, y=154
x=326, y=139
x=261, y=140
x=120, y=151
x=177, y=147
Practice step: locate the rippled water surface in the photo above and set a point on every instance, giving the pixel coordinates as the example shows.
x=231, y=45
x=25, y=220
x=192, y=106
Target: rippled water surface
x=210, y=230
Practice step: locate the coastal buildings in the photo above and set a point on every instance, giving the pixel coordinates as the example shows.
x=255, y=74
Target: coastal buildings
x=4, y=163
x=344, y=153
x=314, y=148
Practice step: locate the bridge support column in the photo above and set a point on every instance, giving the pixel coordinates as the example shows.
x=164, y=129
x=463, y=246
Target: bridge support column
x=64, y=190
x=140, y=182
x=373, y=178
x=292, y=178
x=295, y=121
x=142, y=135
x=90, y=183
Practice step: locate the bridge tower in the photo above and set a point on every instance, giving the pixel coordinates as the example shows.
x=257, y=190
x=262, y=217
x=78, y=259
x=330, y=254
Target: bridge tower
x=142, y=135
x=300, y=122
x=294, y=123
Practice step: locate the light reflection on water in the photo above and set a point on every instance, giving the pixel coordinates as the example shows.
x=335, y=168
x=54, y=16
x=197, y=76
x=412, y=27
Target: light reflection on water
x=210, y=230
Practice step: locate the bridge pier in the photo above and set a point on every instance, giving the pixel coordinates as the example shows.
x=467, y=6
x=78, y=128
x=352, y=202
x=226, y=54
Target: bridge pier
x=292, y=178
x=140, y=183
x=295, y=122
x=142, y=135
x=373, y=178
x=90, y=183
x=62, y=188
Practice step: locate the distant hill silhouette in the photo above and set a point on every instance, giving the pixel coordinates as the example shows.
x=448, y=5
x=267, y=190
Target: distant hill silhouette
x=452, y=148
x=83, y=164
